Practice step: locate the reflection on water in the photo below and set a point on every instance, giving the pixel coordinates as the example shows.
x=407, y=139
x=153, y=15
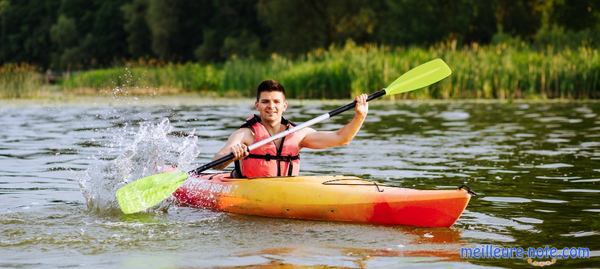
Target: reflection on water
x=534, y=166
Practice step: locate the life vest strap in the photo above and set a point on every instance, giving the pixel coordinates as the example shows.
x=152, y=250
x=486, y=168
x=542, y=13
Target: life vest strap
x=237, y=172
x=269, y=157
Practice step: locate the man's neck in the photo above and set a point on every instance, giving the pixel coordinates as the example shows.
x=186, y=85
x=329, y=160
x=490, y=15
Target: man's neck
x=272, y=127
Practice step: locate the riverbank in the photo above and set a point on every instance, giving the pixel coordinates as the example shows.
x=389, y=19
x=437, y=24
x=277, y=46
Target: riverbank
x=483, y=72
x=193, y=99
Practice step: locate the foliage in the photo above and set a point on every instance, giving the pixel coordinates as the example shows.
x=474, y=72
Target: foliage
x=494, y=71
x=82, y=34
x=177, y=76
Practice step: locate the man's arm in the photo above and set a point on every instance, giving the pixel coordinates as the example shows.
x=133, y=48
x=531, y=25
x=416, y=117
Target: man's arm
x=237, y=143
x=320, y=140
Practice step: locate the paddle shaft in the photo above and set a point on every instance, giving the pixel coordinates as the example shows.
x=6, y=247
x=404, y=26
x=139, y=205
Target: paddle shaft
x=263, y=142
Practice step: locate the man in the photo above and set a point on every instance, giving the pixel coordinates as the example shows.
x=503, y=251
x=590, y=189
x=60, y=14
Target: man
x=281, y=157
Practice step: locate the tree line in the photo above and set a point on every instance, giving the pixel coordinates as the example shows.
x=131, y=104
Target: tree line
x=83, y=34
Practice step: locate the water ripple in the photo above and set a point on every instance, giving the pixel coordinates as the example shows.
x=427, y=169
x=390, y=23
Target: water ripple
x=534, y=166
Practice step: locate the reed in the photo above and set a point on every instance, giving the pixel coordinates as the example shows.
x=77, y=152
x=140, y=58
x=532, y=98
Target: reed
x=185, y=77
x=19, y=81
x=498, y=71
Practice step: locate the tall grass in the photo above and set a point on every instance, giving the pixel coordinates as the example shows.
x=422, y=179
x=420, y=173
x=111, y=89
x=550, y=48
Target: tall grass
x=19, y=81
x=505, y=72
x=176, y=76
x=492, y=71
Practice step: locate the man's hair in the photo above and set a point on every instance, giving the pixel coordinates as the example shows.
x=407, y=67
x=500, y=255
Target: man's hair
x=269, y=86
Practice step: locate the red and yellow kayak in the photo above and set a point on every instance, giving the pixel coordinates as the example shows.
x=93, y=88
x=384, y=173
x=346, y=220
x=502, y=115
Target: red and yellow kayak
x=328, y=198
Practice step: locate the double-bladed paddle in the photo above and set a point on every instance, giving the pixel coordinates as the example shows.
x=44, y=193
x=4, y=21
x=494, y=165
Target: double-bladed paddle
x=149, y=191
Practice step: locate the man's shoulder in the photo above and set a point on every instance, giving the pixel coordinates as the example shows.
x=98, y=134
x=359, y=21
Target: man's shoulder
x=251, y=120
x=245, y=135
x=245, y=131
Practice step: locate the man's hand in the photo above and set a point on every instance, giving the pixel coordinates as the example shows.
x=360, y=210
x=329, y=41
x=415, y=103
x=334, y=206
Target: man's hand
x=321, y=140
x=362, y=107
x=240, y=151
x=236, y=144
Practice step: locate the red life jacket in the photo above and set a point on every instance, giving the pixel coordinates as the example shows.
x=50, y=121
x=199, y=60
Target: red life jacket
x=268, y=160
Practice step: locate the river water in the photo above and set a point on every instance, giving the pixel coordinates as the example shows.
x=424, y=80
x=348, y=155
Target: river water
x=534, y=165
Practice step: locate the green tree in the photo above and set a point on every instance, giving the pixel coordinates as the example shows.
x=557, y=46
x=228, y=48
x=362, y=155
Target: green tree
x=176, y=27
x=569, y=24
x=297, y=25
x=234, y=29
x=576, y=15
x=106, y=40
x=4, y=5
x=518, y=17
x=100, y=37
x=95, y=33
x=138, y=33
x=25, y=34
x=64, y=32
x=427, y=22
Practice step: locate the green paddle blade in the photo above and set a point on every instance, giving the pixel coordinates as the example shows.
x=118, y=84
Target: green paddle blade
x=149, y=191
x=419, y=77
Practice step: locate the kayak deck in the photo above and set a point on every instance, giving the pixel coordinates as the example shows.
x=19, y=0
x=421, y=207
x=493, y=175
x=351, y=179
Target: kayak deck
x=328, y=198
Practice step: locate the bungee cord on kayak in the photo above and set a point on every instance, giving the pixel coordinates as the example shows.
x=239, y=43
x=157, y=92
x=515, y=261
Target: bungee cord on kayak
x=337, y=181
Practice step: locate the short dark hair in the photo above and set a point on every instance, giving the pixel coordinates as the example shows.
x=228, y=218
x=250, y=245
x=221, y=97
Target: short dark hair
x=269, y=86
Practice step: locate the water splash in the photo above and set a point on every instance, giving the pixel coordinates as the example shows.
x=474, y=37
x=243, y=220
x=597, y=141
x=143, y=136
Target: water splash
x=145, y=151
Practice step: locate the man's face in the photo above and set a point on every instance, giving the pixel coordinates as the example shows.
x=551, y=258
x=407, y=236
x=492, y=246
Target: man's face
x=271, y=106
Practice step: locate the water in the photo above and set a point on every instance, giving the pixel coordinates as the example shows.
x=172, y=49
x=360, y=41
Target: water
x=534, y=165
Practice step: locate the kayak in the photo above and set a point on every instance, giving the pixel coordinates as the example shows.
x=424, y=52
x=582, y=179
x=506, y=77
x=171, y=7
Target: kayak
x=326, y=198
